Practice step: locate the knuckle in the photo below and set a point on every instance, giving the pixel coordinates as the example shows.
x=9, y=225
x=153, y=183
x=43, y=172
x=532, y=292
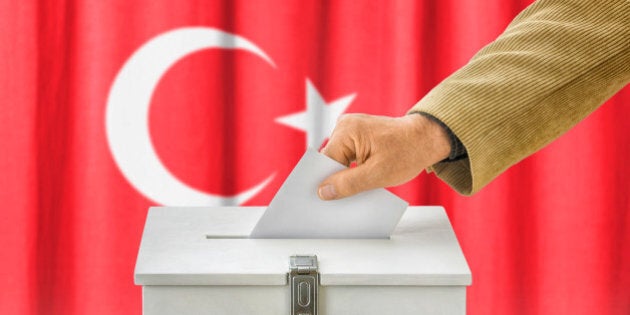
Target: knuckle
x=350, y=121
x=344, y=120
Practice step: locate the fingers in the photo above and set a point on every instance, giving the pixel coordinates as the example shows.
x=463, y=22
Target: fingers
x=340, y=146
x=338, y=152
x=346, y=183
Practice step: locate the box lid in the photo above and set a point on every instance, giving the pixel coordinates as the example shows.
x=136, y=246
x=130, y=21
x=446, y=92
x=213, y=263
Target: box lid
x=209, y=246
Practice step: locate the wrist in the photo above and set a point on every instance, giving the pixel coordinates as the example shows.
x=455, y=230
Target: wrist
x=438, y=143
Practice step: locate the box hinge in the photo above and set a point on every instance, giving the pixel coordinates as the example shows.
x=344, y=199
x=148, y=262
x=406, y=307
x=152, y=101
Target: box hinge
x=304, y=282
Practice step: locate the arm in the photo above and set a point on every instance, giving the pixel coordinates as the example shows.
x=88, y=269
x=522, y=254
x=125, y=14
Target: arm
x=555, y=63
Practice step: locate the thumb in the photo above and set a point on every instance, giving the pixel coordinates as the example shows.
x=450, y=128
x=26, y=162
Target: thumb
x=346, y=183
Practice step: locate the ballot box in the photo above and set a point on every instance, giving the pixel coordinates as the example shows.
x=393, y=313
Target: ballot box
x=201, y=261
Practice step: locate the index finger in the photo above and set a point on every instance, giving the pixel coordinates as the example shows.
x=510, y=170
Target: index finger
x=335, y=150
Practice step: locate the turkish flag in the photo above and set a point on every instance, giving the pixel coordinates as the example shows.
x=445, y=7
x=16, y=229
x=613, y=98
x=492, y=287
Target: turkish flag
x=109, y=107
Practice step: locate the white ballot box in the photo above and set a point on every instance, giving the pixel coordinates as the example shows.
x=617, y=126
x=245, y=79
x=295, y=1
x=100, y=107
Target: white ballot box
x=201, y=261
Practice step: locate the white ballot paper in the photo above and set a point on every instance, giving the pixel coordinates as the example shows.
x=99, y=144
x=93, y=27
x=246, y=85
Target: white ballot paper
x=297, y=212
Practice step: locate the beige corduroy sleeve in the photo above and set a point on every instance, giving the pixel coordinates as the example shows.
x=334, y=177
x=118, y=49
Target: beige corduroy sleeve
x=555, y=63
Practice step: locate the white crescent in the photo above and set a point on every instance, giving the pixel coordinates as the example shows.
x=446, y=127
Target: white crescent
x=127, y=114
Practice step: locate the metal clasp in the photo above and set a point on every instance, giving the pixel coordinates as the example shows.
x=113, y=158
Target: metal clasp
x=304, y=282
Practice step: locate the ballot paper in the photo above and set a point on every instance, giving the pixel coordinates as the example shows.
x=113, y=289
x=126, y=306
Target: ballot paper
x=297, y=212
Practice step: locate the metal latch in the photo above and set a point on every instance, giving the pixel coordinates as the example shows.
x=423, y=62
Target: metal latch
x=304, y=282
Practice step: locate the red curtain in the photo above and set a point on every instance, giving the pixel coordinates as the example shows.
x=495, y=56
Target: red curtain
x=549, y=236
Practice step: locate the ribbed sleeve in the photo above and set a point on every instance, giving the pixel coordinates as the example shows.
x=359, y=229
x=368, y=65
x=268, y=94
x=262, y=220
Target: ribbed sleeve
x=554, y=64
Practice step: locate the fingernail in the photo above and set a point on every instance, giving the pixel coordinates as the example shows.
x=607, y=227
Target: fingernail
x=327, y=192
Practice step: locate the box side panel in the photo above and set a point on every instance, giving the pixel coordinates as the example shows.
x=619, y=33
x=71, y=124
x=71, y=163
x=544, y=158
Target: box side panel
x=333, y=300
x=216, y=300
x=399, y=300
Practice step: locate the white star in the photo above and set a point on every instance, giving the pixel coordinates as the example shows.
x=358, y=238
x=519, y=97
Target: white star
x=319, y=119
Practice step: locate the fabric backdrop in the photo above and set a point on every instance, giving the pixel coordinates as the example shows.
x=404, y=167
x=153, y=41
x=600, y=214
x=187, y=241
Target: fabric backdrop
x=109, y=107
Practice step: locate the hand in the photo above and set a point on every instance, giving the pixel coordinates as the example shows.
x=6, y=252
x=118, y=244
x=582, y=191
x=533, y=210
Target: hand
x=388, y=152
